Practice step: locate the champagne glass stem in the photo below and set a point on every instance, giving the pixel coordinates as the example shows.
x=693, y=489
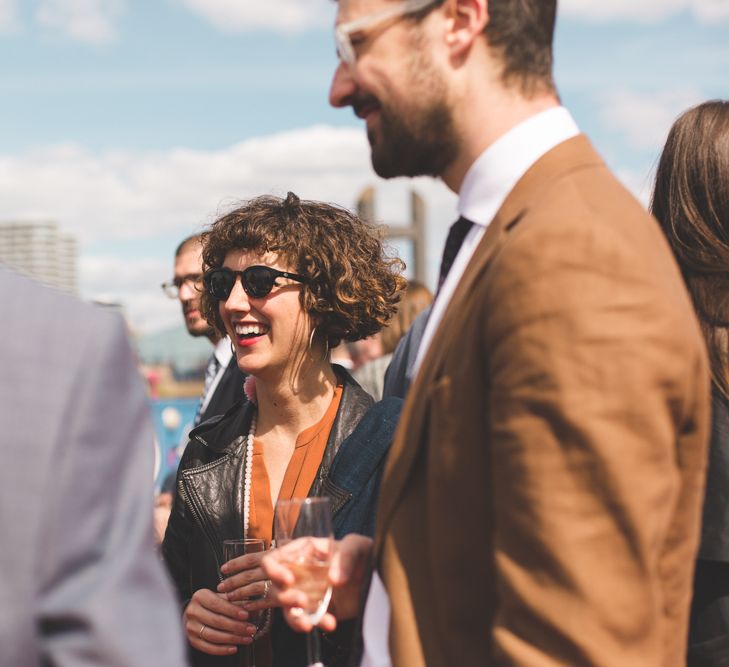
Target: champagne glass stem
x=248, y=655
x=234, y=548
x=313, y=648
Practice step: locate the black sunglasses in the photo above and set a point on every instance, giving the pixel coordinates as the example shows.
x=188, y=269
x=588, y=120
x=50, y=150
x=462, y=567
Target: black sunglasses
x=257, y=281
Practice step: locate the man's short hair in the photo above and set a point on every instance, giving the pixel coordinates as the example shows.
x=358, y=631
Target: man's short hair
x=190, y=239
x=521, y=33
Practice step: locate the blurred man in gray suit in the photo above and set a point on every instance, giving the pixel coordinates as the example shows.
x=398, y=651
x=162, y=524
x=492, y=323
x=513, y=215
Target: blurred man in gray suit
x=80, y=582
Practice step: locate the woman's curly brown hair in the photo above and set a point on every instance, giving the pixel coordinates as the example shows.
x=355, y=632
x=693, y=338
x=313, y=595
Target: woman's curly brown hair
x=352, y=287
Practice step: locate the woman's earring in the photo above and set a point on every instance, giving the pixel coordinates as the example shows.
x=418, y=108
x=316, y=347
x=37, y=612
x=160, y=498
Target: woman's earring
x=311, y=343
x=311, y=339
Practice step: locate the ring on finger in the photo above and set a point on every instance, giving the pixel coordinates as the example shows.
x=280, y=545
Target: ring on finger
x=202, y=629
x=266, y=587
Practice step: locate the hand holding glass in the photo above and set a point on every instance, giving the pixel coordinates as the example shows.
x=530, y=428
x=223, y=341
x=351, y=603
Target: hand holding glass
x=303, y=528
x=234, y=549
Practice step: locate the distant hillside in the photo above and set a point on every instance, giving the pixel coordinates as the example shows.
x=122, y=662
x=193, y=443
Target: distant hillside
x=174, y=346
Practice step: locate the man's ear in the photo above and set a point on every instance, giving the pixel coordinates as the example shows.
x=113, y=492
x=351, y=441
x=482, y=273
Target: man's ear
x=467, y=21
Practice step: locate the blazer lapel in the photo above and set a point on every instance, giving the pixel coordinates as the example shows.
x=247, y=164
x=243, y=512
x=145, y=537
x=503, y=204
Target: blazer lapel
x=408, y=436
x=572, y=154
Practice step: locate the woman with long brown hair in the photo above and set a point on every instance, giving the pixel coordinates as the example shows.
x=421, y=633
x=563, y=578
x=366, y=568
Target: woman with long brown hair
x=691, y=202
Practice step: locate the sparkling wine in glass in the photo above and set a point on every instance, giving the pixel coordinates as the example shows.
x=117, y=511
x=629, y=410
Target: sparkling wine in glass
x=303, y=528
x=234, y=549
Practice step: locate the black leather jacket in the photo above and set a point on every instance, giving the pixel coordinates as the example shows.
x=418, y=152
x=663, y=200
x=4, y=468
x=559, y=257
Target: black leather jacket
x=209, y=503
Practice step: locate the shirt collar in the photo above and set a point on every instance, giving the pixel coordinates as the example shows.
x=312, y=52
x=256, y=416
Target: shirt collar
x=223, y=352
x=498, y=169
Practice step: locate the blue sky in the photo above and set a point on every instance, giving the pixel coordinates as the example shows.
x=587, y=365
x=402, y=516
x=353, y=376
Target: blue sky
x=133, y=122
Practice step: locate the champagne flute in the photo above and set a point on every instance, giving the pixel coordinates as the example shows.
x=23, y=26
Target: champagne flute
x=234, y=549
x=303, y=528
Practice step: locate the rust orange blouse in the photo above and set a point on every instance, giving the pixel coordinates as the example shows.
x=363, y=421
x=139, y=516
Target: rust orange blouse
x=299, y=476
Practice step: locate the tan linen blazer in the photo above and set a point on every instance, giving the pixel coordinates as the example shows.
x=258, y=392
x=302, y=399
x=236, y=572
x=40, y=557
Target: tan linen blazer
x=541, y=503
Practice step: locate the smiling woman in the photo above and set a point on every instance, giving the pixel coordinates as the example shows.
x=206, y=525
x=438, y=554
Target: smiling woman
x=352, y=288
x=286, y=280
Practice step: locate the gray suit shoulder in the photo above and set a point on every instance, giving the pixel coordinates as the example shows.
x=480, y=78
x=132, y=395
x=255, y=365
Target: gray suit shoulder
x=32, y=300
x=79, y=566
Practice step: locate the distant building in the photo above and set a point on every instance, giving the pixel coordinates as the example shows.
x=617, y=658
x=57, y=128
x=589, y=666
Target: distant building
x=40, y=250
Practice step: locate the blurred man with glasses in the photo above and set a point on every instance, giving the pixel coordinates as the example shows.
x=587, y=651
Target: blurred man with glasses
x=223, y=385
x=541, y=500
x=223, y=379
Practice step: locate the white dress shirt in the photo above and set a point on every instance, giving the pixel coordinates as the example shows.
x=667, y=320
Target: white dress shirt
x=486, y=185
x=223, y=353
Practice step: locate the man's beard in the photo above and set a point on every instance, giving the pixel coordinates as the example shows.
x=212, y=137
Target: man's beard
x=422, y=143
x=198, y=332
x=199, y=328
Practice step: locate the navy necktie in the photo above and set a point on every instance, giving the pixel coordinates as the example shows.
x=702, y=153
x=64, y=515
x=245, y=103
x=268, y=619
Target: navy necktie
x=457, y=233
x=210, y=372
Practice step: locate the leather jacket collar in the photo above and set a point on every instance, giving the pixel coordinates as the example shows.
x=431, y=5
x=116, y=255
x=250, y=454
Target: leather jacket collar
x=211, y=484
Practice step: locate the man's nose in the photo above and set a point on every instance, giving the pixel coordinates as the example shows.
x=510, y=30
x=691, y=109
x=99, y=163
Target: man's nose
x=343, y=86
x=187, y=291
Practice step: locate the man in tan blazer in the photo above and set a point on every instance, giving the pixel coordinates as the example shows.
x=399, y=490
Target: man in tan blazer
x=541, y=501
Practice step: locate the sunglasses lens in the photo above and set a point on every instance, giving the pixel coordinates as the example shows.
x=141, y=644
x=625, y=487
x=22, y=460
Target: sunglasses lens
x=220, y=283
x=258, y=281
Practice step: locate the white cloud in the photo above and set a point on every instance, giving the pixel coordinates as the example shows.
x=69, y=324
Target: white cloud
x=134, y=283
x=281, y=15
x=8, y=15
x=644, y=119
x=124, y=198
x=127, y=199
x=126, y=195
x=83, y=20
x=644, y=10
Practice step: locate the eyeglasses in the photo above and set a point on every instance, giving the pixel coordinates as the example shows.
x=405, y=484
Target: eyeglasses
x=343, y=32
x=194, y=280
x=257, y=281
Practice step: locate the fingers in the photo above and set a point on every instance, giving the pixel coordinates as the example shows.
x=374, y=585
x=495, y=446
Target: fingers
x=293, y=601
x=349, y=565
x=348, y=571
x=350, y=559
x=296, y=620
x=300, y=622
x=214, y=625
x=283, y=593
x=207, y=647
x=247, y=562
x=241, y=580
x=279, y=574
x=216, y=642
x=328, y=623
x=206, y=601
x=290, y=597
x=252, y=592
x=249, y=586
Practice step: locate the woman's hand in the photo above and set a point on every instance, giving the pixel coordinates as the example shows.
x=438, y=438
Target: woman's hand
x=246, y=580
x=348, y=571
x=214, y=625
